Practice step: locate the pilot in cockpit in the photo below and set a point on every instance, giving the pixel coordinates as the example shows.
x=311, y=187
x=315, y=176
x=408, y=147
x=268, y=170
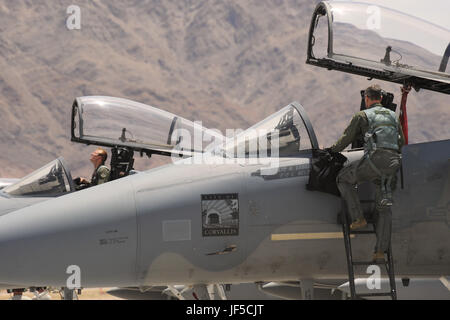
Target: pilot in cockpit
x=101, y=172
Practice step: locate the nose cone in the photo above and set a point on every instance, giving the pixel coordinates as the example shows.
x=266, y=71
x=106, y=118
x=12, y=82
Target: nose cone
x=93, y=229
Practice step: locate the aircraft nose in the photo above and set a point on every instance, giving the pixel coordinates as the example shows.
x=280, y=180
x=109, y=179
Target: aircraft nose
x=93, y=229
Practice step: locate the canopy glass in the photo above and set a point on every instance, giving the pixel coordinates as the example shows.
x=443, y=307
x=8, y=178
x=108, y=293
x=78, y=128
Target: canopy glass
x=51, y=180
x=391, y=45
x=110, y=121
x=285, y=133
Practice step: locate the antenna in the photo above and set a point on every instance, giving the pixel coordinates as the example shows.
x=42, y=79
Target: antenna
x=387, y=57
x=122, y=137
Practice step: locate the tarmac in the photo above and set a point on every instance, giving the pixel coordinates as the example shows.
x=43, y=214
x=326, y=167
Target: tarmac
x=86, y=294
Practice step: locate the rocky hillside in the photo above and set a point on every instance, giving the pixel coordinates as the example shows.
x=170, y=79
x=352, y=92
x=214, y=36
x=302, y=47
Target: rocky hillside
x=227, y=63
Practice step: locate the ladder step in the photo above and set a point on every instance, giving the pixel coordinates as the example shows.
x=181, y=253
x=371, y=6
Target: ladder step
x=388, y=264
x=380, y=294
x=367, y=263
x=363, y=232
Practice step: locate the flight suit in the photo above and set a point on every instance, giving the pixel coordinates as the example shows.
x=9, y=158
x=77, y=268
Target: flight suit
x=386, y=161
x=100, y=175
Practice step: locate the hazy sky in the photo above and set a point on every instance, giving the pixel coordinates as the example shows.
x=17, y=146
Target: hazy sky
x=431, y=31
x=436, y=11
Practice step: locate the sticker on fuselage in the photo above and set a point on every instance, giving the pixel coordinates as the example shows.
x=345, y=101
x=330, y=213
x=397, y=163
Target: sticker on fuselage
x=285, y=172
x=220, y=214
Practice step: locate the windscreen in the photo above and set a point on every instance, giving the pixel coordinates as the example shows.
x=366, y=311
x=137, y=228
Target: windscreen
x=49, y=181
x=280, y=135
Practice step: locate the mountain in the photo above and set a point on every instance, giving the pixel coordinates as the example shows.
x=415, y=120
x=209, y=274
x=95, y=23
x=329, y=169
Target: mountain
x=226, y=63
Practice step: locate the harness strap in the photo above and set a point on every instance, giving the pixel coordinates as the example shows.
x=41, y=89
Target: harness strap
x=385, y=124
x=388, y=184
x=385, y=180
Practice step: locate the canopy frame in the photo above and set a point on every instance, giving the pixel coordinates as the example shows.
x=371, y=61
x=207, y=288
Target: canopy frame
x=418, y=79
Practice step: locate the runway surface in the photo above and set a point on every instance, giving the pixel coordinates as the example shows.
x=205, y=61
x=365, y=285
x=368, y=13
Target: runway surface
x=87, y=294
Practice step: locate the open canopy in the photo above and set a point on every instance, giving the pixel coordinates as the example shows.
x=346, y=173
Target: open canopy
x=116, y=122
x=381, y=43
x=111, y=122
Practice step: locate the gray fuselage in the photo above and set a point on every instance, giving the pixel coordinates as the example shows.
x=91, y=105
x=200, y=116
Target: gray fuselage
x=175, y=225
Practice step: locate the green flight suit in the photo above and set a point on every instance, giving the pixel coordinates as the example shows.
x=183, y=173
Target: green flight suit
x=387, y=161
x=100, y=175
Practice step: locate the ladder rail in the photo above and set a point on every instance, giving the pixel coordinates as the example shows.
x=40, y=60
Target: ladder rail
x=391, y=273
x=389, y=264
x=348, y=249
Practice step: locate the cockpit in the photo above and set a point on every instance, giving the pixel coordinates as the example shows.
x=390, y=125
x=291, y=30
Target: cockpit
x=115, y=122
x=51, y=180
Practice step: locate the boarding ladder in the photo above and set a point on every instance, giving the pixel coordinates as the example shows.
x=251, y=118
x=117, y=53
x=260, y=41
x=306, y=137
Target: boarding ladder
x=389, y=264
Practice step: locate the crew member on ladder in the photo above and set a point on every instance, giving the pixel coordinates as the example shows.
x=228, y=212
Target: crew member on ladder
x=383, y=136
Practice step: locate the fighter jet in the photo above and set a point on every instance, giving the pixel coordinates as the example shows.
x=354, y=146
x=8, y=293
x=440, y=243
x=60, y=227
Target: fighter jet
x=227, y=210
x=221, y=221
